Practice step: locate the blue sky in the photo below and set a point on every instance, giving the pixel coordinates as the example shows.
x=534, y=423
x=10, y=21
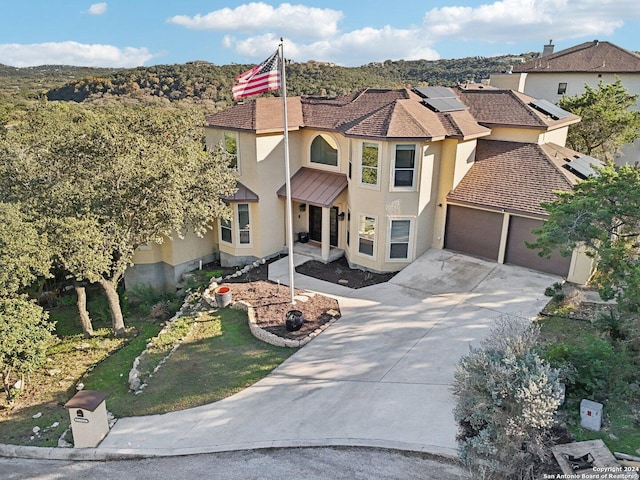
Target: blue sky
x=128, y=33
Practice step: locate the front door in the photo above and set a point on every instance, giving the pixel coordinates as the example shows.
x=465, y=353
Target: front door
x=315, y=224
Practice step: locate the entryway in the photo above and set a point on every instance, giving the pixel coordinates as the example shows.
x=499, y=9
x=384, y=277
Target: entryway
x=315, y=225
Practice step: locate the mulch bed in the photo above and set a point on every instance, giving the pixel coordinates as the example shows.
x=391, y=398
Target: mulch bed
x=339, y=272
x=271, y=302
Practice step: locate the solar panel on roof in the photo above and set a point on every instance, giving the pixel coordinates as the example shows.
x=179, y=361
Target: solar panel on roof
x=583, y=166
x=550, y=109
x=444, y=104
x=434, y=92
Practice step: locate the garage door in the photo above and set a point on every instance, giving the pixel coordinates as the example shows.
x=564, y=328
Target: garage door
x=517, y=252
x=471, y=231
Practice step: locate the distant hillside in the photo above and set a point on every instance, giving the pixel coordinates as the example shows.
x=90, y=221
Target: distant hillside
x=209, y=84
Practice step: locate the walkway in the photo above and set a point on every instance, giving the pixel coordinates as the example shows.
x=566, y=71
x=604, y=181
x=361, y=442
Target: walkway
x=378, y=377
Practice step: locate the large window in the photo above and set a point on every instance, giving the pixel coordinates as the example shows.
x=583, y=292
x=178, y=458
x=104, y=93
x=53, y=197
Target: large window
x=231, y=147
x=324, y=150
x=399, y=239
x=367, y=235
x=369, y=170
x=244, y=227
x=404, y=166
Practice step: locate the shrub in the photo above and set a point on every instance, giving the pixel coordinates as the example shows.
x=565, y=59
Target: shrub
x=146, y=300
x=507, y=398
x=592, y=369
x=25, y=333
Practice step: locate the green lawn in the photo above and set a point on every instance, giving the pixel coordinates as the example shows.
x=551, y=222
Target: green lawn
x=218, y=358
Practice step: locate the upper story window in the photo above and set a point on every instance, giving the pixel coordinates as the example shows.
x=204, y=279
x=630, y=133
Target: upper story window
x=230, y=145
x=324, y=150
x=370, y=162
x=562, y=88
x=404, y=168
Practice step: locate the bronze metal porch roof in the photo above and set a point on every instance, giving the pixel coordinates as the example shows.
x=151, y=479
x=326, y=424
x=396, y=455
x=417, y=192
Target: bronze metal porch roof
x=315, y=187
x=243, y=194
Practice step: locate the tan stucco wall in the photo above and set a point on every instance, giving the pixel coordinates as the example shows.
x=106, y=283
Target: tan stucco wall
x=505, y=81
x=175, y=250
x=522, y=135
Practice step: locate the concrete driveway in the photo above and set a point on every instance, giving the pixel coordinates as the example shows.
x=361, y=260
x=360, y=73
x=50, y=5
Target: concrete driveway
x=379, y=377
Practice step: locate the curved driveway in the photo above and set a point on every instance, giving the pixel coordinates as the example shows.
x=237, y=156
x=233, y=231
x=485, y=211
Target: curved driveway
x=379, y=377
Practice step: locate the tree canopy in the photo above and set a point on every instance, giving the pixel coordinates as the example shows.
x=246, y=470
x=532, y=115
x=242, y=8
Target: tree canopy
x=607, y=119
x=105, y=180
x=24, y=253
x=601, y=213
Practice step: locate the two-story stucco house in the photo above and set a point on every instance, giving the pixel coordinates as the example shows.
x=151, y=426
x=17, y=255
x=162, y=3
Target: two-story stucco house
x=566, y=72
x=382, y=176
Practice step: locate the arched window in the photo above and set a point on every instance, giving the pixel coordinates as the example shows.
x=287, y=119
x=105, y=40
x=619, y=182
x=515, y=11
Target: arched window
x=324, y=150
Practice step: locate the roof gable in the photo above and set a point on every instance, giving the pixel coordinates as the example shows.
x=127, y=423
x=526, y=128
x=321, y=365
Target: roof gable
x=595, y=56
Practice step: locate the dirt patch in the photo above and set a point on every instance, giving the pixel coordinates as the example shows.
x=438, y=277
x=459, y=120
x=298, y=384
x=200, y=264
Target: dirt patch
x=340, y=273
x=271, y=302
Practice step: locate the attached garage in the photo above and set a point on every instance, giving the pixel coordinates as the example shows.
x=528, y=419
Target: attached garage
x=517, y=252
x=472, y=231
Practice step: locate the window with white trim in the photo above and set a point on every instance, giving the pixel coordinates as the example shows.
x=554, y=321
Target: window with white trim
x=367, y=235
x=225, y=231
x=244, y=226
x=324, y=150
x=230, y=146
x=399, y=239
x=370, y=162
x=404, y=167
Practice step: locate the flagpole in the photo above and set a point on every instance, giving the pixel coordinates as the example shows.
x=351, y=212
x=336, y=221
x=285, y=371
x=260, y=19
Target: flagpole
x=287, y=170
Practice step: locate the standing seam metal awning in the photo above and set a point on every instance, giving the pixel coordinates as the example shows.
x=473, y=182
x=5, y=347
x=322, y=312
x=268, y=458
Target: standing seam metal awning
x=243, y=194
x=315, y=187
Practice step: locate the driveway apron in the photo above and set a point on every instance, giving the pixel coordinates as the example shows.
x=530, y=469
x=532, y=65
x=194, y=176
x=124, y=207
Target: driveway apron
x=380, y=376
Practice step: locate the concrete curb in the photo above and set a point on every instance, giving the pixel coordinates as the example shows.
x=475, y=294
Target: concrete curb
x=103, y=454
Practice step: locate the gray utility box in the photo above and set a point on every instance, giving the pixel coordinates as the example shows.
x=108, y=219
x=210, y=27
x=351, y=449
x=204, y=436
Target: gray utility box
x=590, y=415
x=88, y=414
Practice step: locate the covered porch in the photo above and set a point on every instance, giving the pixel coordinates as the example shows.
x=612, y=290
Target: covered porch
x=313, y=194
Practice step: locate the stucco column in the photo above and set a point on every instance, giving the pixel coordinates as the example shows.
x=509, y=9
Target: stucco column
x=326, y=233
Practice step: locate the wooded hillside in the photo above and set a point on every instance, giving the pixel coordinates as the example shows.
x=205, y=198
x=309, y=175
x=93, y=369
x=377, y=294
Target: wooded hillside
x=210, y=85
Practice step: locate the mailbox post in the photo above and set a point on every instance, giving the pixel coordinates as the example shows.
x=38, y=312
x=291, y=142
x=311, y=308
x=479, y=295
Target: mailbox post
x=88, y=415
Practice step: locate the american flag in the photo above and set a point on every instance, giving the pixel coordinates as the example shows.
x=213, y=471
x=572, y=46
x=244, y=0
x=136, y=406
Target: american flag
x=259, y=79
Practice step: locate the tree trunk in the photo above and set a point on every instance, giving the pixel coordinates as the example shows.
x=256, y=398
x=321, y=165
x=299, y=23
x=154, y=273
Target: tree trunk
x=85, y=319
x=117, y=321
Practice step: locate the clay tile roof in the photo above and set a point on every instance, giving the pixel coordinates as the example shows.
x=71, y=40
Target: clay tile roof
x=592, y=56
x=509, y=108
x=513, y=177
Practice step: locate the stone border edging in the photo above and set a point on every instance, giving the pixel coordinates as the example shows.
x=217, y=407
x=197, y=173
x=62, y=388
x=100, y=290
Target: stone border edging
x=275, y=340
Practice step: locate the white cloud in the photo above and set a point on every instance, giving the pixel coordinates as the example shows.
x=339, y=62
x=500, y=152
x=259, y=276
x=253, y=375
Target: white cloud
x=253, y=29
x=258, y=17
x=98, y=8
x=72, y=53
x=523, y=20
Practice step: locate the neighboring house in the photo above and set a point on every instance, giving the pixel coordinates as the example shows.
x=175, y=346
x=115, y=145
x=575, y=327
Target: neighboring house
x=566, y=72
x=385, y=175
